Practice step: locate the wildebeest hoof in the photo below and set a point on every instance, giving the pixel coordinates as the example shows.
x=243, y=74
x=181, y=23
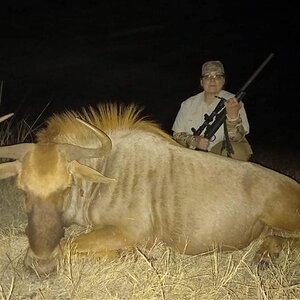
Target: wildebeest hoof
x=264, y=264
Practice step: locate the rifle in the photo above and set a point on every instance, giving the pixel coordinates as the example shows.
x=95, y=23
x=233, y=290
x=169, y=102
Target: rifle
x=218, y=115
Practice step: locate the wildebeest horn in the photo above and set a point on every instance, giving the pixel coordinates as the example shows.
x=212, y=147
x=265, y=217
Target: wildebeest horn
x=16, y=151
x=3, y=118
x=72, y=152
x=75, y=152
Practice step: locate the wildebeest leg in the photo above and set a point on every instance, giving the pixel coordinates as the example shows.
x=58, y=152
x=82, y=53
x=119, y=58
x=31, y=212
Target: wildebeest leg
x=271, y=247
x=281, y=212
x=101, y=242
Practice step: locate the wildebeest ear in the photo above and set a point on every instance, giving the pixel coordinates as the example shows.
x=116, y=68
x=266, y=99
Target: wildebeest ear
x=87, y=173
x=9, y=169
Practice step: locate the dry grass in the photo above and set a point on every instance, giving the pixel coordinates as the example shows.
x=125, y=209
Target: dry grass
x=156, y=273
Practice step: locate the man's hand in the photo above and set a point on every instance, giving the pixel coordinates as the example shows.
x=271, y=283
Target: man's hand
x=201, y=142
x=232, y=108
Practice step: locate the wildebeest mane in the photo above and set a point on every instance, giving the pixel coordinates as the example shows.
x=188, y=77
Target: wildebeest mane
x=109, y=117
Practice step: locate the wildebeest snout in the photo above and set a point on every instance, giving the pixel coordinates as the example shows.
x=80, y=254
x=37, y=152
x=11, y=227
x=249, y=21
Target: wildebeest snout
x=42, y=266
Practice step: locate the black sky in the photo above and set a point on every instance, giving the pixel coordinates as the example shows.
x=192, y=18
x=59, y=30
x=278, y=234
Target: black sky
x=72, y=54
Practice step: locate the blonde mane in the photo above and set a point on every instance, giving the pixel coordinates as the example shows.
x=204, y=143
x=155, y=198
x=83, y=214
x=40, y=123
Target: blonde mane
x=110, y=117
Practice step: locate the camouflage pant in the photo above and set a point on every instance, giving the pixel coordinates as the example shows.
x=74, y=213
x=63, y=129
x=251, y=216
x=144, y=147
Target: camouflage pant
x=242, y=150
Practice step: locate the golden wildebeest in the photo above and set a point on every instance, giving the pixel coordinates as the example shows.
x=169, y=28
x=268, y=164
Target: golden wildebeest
x=133, y=184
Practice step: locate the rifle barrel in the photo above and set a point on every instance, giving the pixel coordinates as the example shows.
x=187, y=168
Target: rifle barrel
x=257, y=71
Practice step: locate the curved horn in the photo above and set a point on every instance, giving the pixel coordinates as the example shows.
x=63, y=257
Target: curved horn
x=16, y=151
x=3, y=118
x=75, y=152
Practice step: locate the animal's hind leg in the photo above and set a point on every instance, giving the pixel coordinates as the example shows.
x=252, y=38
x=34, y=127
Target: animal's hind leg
x=271, y=247
x=101, y=242
x=282, y=210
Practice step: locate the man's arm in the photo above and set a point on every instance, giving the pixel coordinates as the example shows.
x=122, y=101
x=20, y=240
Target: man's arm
x=184, y=139
x=235, y=128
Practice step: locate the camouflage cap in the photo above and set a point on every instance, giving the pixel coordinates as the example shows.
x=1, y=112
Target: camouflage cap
x=212, y=66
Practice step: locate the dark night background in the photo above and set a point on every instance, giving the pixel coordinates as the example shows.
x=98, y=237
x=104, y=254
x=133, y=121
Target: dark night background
x=71, y=54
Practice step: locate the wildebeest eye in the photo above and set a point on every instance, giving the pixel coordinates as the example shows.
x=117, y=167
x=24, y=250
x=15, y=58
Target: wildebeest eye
x=28, y=204
x=26, y=230
x=65, y=199
x=61, y=199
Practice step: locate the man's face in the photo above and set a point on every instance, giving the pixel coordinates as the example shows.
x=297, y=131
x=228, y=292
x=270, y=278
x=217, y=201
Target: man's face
x=212, y=82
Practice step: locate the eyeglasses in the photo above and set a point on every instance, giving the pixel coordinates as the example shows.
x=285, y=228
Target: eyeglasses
x=211, y=77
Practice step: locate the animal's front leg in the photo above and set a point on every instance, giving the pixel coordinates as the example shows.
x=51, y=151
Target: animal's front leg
x=101, y=242
x=271, y=248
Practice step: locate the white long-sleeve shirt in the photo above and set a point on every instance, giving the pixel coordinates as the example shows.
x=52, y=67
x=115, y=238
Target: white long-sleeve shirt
x=192, y=111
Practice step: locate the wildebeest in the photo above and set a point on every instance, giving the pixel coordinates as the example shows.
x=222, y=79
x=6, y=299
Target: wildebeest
x=126, y=178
